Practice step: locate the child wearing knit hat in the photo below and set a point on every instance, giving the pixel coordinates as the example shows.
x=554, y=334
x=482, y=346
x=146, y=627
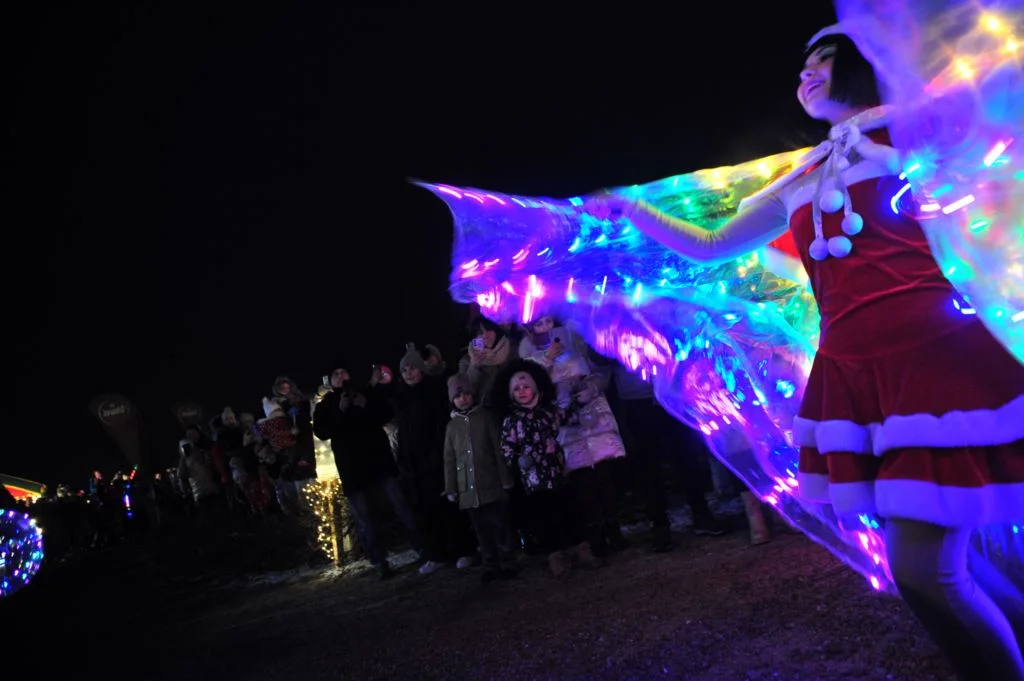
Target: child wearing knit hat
x=477, y=476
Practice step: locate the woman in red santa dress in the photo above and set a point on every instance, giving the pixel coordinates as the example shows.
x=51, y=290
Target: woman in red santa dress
x=912, y=412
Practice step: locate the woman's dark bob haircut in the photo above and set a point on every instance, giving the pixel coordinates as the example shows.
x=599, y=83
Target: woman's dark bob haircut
x=853, y=80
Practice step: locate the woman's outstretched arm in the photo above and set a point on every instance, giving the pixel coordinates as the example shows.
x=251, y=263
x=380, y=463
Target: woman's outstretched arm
x=752, y=228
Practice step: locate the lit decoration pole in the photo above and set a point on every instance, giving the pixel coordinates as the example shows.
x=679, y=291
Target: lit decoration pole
x=728, y=347
x=323, y=497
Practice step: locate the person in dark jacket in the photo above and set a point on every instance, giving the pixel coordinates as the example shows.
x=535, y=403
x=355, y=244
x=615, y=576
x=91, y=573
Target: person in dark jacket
x=353, y=419
x=421, y=414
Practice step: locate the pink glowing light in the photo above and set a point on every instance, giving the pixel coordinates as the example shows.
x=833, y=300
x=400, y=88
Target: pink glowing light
x=993, y=155
x=527, y=308
x=449, y=192
x=635, y=350
x=520, y=255
x=476, y=198
x=489, y=300
x=494, y=198
x=534, y=291
x=471, y=269
x=958, y=204
x=508, y=287
x=782, y=485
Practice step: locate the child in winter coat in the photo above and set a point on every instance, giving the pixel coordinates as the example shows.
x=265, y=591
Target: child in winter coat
x=277, y=432
x=476, y=475
x=529, y=443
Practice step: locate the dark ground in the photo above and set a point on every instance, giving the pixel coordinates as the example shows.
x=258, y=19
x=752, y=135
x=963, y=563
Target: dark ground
x=711, y=609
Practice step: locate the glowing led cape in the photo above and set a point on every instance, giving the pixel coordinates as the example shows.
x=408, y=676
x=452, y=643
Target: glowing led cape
x=728, y=347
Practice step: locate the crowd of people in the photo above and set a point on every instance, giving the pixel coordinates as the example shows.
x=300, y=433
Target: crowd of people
x=520, y=448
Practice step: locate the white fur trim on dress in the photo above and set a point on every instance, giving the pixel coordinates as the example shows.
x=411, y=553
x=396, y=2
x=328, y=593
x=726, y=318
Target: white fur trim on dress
x=919, y=500
x=847, y=498
x=977, y=428
x=950, y=506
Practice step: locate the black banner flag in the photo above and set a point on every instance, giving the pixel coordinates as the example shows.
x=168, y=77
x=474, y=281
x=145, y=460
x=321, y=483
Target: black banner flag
x=189, y=414
x=121, y=420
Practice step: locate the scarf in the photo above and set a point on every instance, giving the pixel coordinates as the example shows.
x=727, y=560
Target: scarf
x=496, y=356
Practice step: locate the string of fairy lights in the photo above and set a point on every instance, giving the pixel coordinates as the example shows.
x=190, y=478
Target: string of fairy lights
x=334, y=535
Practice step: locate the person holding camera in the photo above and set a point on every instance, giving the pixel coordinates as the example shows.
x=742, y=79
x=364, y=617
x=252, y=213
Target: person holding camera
x=353, y=417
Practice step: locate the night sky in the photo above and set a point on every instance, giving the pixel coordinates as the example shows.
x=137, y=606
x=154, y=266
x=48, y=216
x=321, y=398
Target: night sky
x=202, y=201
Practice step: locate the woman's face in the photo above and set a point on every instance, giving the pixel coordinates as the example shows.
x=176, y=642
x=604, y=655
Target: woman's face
x=523, y=389
x=338, y=377
x=543, y=325
x=816, y=84
x=285, y=388
x=489, y=337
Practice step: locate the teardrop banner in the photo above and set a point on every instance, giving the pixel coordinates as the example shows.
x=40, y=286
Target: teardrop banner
x=189, y=414
x=120, y=418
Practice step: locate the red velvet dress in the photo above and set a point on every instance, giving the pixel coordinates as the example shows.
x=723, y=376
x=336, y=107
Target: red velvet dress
x=912, y=409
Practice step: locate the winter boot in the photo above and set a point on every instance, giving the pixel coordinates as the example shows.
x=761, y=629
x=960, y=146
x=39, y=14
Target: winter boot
x=586, y=558
x=759, y=533
x=661, y=541
x=613, y=536
x=560, y=564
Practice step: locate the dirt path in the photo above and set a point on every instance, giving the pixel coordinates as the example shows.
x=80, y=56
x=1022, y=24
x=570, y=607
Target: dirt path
x=711, y=609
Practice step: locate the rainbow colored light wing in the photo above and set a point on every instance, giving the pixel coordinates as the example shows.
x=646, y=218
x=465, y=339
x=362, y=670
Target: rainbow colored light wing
x=955, y=72
x=727, y=347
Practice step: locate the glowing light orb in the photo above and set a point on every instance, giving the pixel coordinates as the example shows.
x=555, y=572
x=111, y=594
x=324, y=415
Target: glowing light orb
x=21, y=550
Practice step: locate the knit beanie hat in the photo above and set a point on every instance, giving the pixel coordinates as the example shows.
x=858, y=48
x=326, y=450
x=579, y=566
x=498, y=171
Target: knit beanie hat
x=459, y=382
x=439, y=366
x=412, y=358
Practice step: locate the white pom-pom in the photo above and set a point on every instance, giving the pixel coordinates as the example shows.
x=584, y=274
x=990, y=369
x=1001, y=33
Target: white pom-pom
x=831, y=201
x=819, y=248
x=839, y=246
x=852, y=224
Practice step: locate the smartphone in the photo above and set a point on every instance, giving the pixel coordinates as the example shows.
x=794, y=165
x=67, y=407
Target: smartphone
x=478, y=343
x=327, y=380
